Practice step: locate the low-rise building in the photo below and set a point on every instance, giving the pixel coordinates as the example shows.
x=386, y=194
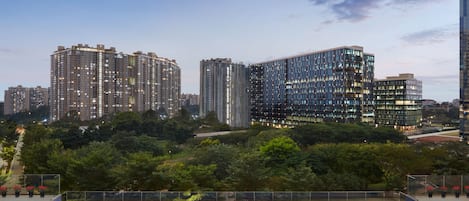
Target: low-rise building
x=398, y=102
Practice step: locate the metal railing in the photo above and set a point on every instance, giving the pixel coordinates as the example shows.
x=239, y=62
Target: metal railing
x=230, y=196
x=420, y=185
x=405, y=197
x=51, y=181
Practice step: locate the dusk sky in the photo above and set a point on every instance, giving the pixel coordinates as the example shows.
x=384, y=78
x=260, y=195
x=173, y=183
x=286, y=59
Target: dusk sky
x=406, y=36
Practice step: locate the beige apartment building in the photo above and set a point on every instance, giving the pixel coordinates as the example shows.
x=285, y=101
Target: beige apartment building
x=92, y=82
x=23, y=99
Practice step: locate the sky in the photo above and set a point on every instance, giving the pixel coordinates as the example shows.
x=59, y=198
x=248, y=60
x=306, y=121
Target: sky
x=406, y=36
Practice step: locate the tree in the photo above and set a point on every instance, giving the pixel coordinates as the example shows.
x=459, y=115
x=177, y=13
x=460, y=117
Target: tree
x=35, y=133
x=398, y=160
x=8, y=152
x=340, y=182
x=211, y=123
x=252, y=180
x=313, y=133
x=58, y=163
x=91, y=167
x=278, y=150
x=267, y=135
x=181, y=177
x=127, y=142
x=359, y=161
x=212, y=152
x=72, y=138
x=177, y=132
x=7, y=133
x=35, y=156
x=301, y=178
x=136, y=173
x=126, y=121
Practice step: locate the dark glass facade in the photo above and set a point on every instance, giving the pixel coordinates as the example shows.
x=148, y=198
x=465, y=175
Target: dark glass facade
x=464, y=69
x=398, y=102
x=333, y=85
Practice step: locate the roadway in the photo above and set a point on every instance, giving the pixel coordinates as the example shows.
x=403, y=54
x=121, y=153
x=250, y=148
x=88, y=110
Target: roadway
x=211, y=134
x=440, y=134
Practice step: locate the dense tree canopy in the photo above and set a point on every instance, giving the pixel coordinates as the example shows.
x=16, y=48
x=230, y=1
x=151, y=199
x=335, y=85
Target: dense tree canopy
x=134, y=151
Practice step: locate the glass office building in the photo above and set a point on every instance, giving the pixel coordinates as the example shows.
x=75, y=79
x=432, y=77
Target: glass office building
x=333, y=85
x=398, y=101
x=464, y=68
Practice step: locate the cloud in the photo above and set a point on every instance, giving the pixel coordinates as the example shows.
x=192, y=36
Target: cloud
x=6, y=50
x=439, y=79
x=431, y=36
x=294, y=16
x=359, y=10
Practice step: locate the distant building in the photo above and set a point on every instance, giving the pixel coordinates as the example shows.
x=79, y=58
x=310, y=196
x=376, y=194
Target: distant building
x=1, y=109
x=455, y=102
x=398, y=102
x=189, y=99
x=428, y=102
x=224, y=90
x=23, y=99
x=91, y=82
x=190, y=102
x=333, y=85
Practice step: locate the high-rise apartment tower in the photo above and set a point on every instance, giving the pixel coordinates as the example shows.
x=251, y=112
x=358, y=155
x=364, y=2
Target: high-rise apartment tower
x=91, y=82
x=224, y=90
x=24, y=99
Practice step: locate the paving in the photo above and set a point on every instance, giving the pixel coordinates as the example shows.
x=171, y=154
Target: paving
x=439, y=198
x=27, y=198
x=16, y=167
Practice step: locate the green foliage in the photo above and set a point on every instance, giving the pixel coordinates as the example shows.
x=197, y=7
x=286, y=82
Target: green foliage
x=7, y=154
x=128, y=142
x=210, y=123
x=301, y=178
x=278, y=150
x=8, y=135
x=266, y=135
x=91, y=167
x=190, y=196
x=134, y=151
x=352, y=133
x=208, y=142
x=181, y=177
x=35, y=156
x=176, y=132
x=33, y=116
x=35, y=133
x=248, y=172
x=220, y=155
x=4, y=177
x=136, y=172
x=126, y=121
x=238, y=138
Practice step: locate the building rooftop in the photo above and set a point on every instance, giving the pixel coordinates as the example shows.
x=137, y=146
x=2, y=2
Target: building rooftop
x=402, y=76
x=355, y=47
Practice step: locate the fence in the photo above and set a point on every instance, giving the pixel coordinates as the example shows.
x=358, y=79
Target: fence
x=230, y=196
x=421, y=185
x=51, y=181
x=406, y=197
